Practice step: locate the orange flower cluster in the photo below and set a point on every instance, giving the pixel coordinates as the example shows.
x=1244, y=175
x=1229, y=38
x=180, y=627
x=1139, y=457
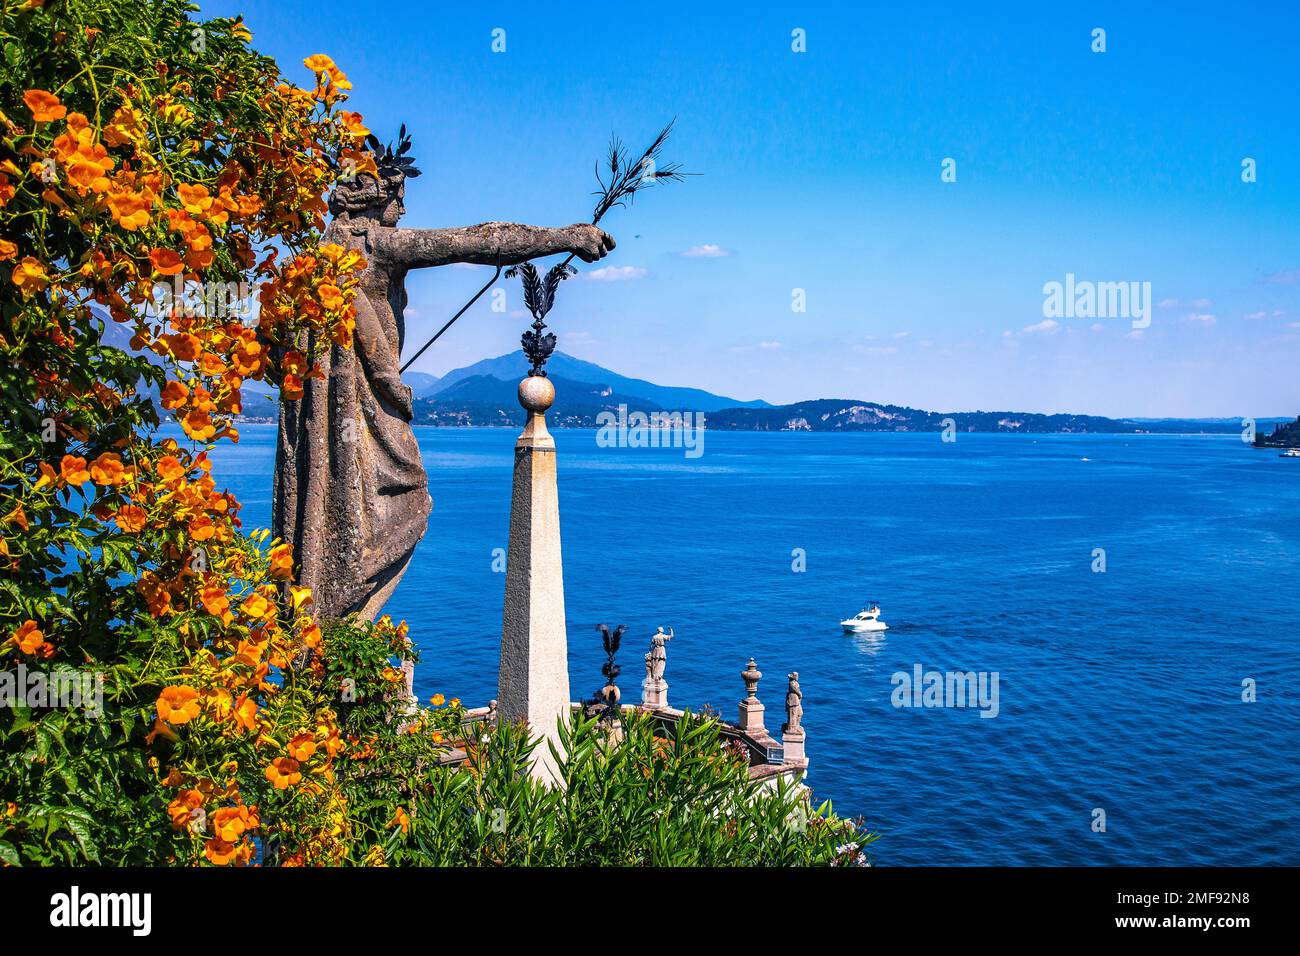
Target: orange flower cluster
x=318, y=290
x=143, y=189
x=331, y=82
x=150, y=228
x=30, y=639
x=227, y=832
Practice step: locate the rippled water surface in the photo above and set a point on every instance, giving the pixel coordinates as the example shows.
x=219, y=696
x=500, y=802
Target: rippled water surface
x=1119, y=690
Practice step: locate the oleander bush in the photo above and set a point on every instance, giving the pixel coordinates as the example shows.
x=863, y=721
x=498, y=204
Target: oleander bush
x=677, y=798
x=151, y=161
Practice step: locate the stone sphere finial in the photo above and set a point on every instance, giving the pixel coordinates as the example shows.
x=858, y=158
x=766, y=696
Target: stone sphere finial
x=536, y=394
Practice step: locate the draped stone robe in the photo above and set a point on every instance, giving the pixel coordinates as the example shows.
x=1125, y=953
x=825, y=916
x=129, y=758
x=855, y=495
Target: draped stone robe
x=351, y=493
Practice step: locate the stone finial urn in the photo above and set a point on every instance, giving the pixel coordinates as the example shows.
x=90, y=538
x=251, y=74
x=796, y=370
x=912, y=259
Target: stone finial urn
x=751, y=708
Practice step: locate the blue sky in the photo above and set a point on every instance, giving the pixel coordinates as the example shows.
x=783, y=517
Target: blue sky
x=821, y=171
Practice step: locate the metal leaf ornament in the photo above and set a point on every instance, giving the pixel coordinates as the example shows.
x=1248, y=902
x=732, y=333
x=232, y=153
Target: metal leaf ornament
x=394, y=162
x=539, y=296
x=606, y=697
x=611, y=641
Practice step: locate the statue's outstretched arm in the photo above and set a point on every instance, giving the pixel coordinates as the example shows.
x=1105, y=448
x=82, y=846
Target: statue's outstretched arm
x=490, y=242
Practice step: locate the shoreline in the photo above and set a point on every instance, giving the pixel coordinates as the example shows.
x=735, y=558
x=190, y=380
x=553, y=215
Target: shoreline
x=1236, y=435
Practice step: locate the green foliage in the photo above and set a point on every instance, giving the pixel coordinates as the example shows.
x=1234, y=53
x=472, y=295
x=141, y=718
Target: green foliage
x=649, y=795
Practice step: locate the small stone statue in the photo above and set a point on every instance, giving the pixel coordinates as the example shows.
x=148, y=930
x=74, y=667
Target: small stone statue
x=654, y=690
x=793, y=706
x=408, y=683
x=658, y=656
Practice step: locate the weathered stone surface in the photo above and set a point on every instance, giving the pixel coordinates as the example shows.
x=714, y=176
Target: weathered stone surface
x=793, y=746
x=350, y=493
x=533, y=683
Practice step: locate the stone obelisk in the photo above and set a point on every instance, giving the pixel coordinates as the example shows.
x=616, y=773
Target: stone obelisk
x=534, y=679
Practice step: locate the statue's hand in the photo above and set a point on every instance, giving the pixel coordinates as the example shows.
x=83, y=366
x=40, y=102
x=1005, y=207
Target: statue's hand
x=398, y=395
x=406, y=401
x=591, y=242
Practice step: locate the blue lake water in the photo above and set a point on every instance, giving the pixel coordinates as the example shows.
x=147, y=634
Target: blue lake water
x=1119, y=690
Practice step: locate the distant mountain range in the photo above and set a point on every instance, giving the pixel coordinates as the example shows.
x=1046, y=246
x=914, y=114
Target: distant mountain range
x=854, y=415
x=422, y=383
x=561, y=366
x=484, y=394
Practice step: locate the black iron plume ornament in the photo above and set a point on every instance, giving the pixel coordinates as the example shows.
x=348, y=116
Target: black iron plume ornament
x=539, y=296
x=608, y=695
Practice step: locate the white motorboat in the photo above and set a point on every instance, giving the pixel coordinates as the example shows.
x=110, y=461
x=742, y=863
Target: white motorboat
x=868, y=619
x=1290, y=453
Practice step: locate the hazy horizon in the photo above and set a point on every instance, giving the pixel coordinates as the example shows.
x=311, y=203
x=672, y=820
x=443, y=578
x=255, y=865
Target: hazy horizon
x=745, y=398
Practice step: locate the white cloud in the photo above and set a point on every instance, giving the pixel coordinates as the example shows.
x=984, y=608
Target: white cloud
x=1203, y=317
x=1168, y=303
x=1097, y=327
x=901, y=335
x=765, y=344
x=1201, y=303
x=1255, y=315
x=1136, y=334
x=467, y=265
x=1289, y=277
x=877, y=349
x=709, y=250
x=1048, y=326
x=616, y=273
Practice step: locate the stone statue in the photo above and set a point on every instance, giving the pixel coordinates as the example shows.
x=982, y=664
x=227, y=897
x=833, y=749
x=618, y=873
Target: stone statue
x=654, y=689
x=658, y=657
x=793, y=706
x=350, y=492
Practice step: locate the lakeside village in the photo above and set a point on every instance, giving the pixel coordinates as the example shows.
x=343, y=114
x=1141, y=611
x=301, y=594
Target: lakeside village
x=657, y=429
